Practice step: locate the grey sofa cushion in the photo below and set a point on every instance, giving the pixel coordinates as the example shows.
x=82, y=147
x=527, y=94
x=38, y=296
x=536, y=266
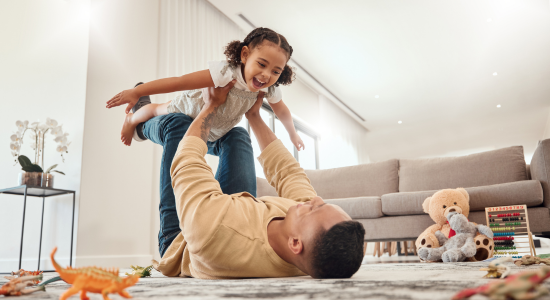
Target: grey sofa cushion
x=375, y=179
x=263, y=188
x=487, y=168
x=527, y=192
x=540, y=168
x=360, y=207
x=410, y=227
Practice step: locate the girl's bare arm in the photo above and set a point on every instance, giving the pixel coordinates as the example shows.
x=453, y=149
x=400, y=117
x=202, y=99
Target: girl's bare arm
x=196, y=80
x=283, y=113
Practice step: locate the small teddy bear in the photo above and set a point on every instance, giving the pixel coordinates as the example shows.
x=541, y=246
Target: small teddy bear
x=460, y=246
x=438, y=206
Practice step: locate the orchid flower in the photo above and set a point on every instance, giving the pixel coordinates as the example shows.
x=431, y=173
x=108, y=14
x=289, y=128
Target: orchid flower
x=51, y=123
x=57, y=131
x=15, y=146
x=22, y=125
x=61, y=149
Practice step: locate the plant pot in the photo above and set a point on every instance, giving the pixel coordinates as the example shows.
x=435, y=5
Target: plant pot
x=30, y=178
x=47, y=180
x=36, y=179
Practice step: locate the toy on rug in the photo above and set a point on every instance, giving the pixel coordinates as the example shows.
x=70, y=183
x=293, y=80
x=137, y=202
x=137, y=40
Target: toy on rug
x=438, y=206
x=521, y=286
x=22, y=273
x=93, y=280
x=531, y=260
x=17, y=286
x=141, y=271
x=458, y=247
x=497, y=268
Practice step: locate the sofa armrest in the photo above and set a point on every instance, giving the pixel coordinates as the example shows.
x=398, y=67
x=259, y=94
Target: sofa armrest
x=540, y=168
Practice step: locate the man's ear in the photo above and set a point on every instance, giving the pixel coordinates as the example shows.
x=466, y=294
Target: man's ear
x=426, y=205
x=245, y=52
x=295, y=245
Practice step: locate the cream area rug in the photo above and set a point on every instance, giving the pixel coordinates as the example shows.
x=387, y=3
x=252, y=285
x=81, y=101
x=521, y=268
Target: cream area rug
x=426, y=281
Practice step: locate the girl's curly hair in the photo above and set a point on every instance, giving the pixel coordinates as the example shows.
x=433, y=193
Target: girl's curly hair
x=255, y=38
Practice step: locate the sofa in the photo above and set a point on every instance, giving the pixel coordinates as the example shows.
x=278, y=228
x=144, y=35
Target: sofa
x=387, y=196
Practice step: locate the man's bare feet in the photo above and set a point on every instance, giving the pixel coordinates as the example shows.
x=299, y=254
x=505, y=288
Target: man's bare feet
x=127, y=130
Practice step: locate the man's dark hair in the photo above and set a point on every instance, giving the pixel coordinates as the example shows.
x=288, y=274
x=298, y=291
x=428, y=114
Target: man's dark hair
x=338, y=252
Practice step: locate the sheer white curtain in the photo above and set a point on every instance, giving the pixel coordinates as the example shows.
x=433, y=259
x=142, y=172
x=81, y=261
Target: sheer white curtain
x=192, y=32
x=342, y=140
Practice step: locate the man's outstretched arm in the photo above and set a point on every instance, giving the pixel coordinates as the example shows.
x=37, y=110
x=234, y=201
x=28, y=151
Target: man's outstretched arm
x=282, y=171
x=200, y=202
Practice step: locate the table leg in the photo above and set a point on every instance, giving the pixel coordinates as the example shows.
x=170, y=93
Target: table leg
x=41, y=226
x=22, y=227
x=72, y=232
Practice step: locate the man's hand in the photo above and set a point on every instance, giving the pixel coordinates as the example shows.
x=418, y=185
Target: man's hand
x=297, y=141
x=214, y=97
x=127, y=96
x=255, y=109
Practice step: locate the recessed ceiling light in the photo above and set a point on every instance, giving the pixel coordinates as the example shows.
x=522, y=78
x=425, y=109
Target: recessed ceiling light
x=489, y=20
x=376, y=96
x=399, y=122
x=495, y=74
x=498, y=105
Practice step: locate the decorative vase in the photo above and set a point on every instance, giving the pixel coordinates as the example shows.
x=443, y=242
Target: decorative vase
x=30, y=178
x=36, y=179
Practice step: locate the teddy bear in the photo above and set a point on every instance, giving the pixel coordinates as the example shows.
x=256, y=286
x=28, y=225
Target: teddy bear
x=458, y=247
x=438, y=206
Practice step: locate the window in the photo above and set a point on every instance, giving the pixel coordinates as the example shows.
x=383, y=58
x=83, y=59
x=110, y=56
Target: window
x=307, y=158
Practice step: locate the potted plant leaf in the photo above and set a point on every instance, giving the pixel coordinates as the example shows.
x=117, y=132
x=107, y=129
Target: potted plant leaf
x=34, y=175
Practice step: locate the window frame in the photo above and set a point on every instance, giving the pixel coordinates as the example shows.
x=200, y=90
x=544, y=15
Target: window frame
x=299, y=126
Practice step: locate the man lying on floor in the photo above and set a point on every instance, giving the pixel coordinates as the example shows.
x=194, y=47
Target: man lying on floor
x=238, y=235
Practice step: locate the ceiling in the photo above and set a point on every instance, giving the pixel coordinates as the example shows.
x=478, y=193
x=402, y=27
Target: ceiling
x=431, y=63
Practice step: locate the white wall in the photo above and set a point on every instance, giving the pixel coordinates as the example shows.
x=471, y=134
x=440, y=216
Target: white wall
x=303, y=102
x=116, y=193
x=546, y=134
x=43, y=61
x=342, y=138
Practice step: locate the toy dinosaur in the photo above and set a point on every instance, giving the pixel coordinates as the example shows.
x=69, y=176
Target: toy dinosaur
x=141, y=271
x=497, y=268
x=22, y=273
x=532, y=260
x=521, y=286
x=93, y=280
x=17, y=286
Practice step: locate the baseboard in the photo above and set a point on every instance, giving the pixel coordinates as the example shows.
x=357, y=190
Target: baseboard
x=108, y=261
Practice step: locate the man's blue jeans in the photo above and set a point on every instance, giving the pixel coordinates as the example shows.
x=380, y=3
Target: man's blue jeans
x=236, y=172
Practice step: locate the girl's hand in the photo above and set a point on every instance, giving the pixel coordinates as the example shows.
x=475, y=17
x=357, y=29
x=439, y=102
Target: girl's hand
x=297, y=141
x=127, y=96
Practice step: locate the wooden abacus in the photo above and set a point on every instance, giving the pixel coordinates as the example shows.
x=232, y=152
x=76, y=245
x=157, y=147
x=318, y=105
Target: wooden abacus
x=510, y=225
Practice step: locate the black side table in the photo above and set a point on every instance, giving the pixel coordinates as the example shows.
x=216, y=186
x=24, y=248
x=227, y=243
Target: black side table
x=24, y=190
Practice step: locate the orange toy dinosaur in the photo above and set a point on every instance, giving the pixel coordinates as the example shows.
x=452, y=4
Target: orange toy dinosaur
x=93, y=280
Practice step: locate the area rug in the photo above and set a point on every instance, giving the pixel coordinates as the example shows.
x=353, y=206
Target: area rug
x=426, y=281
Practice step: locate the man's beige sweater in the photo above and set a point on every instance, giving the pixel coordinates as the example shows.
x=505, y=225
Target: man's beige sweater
x=225, y=236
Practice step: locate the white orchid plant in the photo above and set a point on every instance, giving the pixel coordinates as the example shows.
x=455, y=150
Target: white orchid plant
x=37, y=133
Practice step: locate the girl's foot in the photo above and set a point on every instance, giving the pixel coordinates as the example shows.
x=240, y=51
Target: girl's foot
x=127, y=130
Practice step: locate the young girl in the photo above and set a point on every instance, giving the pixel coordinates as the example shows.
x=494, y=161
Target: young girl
x=257, y=64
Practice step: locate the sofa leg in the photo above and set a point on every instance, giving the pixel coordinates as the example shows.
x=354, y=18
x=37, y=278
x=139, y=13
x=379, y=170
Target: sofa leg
x=393, y=248
x=405, y=248
x=364, y=249
x=380, y=249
